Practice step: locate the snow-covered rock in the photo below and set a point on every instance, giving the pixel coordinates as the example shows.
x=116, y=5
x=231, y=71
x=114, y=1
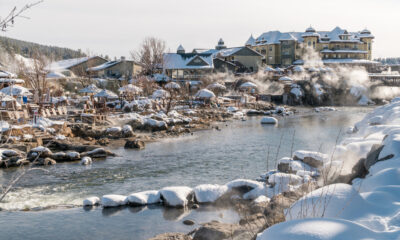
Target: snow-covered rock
x=144, y=198
x=176, y=196
x=91, y=201
x=314, y=159
x=86, y=161
x=322, y=229
x=208, y=193
x=262, y=199
x=113, y=200
x=269, y=120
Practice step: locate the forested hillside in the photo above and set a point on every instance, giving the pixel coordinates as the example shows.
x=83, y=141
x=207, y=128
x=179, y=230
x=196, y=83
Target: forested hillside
x=28, y=49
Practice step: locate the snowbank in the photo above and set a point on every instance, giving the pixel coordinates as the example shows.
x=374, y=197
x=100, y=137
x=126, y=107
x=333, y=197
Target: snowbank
x=176, y=196
x=113, y=200
x=144, y=198
x=208, y=193
x=91, y=201
x=322, y=229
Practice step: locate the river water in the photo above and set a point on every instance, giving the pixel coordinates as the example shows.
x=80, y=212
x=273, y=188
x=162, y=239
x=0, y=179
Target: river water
x=240, y=149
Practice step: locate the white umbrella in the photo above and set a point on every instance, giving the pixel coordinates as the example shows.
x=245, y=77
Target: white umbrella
x=298, y=69
x=90, y=89
x=248, y=85
x=160, y=93
x=205, y=94
x=131, y=89
x=269, y=69
x=16, y=91
x=216, y=86
x=106, y=94
x=285, y=79
x=172, y=85
x=6, y=74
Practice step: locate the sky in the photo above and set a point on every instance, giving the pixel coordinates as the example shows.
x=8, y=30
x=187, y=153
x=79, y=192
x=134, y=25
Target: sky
x=116, y=27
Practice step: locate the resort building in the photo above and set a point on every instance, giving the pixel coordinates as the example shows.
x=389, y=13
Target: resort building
x=336, y=46
x=121, y=68
x=200, y=62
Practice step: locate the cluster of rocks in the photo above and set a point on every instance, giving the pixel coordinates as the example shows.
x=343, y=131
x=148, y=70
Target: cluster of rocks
x=42, y=156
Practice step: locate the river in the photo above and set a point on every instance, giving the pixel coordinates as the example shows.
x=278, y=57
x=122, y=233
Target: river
x=240, y=149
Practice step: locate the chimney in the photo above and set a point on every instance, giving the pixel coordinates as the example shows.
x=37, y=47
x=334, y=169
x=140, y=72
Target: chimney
x=123, y=58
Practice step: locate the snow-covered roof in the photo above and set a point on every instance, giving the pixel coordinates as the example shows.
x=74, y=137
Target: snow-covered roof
x=343, y=51
x=16, y=91
x=184, y=61
x=55, y=74
x=274, y=37
x=66, y=64
x=103, y=66
x=251, y=41
x=106, y=94
x=310, y=29
x=180, y=48
x=349, y=61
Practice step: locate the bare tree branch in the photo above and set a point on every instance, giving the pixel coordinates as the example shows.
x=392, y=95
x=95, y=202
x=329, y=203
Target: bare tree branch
x=9, y=20
x=150, y=54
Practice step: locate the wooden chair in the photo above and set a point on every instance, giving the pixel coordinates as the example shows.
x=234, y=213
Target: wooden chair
x=43, y=113
x=60, y=111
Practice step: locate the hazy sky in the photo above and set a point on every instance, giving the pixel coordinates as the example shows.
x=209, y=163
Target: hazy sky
x=115, y=27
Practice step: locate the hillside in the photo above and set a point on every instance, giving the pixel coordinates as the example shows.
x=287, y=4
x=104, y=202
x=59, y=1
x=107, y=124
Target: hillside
x=27, y=49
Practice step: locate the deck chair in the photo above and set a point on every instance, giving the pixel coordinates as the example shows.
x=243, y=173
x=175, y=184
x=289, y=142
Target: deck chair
x=54, y=112
x=48, y=112
x=65, y=110
x=60, y=111
x=26, y=114
x=11, y=115
x=43, y=113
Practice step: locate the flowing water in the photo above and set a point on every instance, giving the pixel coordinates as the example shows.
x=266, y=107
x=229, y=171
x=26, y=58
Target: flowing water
x=240, y=149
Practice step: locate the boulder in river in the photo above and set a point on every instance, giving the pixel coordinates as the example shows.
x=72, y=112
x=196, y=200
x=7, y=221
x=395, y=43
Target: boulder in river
x=172, y=236
x=135, y=144
x=269, y=120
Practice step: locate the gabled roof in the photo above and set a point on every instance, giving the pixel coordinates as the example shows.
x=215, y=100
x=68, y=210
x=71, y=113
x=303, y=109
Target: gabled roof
x=274, y=37
x=67, y=64
x=251, y=41
x=185, y=61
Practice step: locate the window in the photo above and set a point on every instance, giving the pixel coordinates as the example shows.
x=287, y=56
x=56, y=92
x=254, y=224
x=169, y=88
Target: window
x=313, y=45
x=309, y=43
x=334, y=55
x=337, y=46
x=263, y=51
x=269, y=59
x=369, y=46
x=325, y=46
x=270, y=49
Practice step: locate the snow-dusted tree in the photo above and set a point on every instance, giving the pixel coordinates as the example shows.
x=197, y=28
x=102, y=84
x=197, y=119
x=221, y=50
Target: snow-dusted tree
x=150, y=54
x=34, y=72
x=9, y=20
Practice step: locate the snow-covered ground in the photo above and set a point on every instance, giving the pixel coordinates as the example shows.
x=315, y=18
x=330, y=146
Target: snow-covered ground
x=369, y=208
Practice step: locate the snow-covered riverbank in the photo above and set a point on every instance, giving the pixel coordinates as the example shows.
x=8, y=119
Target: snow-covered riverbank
x=369, y=207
